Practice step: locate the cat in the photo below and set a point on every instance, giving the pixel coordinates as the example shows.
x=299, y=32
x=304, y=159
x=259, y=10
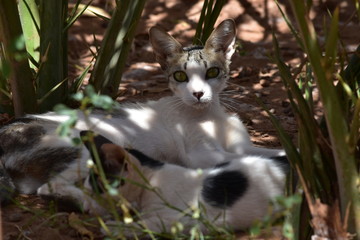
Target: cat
x=233, y=194
x=190, y=128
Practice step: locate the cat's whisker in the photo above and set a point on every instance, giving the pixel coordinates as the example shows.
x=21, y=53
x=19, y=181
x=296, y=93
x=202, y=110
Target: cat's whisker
x=230, y=103
x=229, y=107
x=174, y=105
x=235, y=84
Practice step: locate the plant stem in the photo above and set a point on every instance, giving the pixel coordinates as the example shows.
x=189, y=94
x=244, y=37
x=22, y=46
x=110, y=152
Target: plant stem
x=21, y=80
x=53, y=52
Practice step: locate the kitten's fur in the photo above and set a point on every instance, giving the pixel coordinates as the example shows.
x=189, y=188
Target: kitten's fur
x=190, y=128
x=233, y=194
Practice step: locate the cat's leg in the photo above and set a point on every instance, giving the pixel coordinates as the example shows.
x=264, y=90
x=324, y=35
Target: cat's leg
x=69, y=193
x=62, y=187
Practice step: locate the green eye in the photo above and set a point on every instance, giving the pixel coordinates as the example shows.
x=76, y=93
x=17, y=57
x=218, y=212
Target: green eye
x=180, y=76
x=212, y=72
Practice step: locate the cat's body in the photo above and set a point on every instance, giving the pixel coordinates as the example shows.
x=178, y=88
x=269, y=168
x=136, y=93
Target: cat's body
x=190, y=129
x=33, y=151
x=233, y=194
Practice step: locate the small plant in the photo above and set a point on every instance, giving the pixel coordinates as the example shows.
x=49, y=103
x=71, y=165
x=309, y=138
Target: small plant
x=33, y=52
x=328, y=158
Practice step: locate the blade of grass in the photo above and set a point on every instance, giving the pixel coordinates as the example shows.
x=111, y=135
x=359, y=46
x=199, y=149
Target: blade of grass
x=289, y=24
x=357, y=6
x=210, y=22
x=290, y=149
x=354, y=129
x=352, y=72
x=73, y=19
x=79, y=80
x=74, y=8
x=197, y=37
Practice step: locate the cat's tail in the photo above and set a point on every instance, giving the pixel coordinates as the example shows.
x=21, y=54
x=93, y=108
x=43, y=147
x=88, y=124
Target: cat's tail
x=7, y=187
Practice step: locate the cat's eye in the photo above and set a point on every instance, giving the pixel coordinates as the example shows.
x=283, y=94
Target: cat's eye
x=212, y=72
x=180, y=76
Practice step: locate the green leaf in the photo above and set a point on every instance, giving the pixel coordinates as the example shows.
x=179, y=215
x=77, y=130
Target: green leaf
x=64, y=110
x=79, y=96
x=75, y=17
x=290, y=25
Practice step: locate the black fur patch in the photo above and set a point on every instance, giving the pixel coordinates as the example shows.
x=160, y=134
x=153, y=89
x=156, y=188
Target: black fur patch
x=145, y=160
x=282, y=162
x=192, y=48
x=223, y=189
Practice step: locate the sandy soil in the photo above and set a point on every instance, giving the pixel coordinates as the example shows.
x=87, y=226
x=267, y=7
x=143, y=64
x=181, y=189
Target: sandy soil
x=253, y=74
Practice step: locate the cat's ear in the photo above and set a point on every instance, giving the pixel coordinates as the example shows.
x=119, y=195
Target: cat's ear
x=111, y=156
x=164, y=45
x=223, y=38
x=114, y=157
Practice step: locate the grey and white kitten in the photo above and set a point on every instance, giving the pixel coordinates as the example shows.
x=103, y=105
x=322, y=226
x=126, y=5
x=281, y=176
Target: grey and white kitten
x=233, y=194
x=190, y=128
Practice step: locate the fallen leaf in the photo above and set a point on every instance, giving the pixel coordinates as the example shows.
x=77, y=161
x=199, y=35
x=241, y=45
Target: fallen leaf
x=76, y=223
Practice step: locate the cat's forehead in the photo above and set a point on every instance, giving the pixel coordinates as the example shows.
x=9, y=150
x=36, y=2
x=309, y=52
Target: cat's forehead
x=194, y=53
x=198, y=55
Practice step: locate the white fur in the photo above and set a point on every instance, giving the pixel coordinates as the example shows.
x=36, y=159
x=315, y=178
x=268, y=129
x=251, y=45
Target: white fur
x=184, y=194
x=175, y=134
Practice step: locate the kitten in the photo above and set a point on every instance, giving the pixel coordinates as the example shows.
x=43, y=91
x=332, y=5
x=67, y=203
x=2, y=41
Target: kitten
x=190, y=128
x=233, y=194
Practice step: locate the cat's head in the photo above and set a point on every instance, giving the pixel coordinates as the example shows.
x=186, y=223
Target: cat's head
x=196, y=74
x=118, y=164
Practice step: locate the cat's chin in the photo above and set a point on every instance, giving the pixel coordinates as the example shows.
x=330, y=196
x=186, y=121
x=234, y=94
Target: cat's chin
x=201, y=105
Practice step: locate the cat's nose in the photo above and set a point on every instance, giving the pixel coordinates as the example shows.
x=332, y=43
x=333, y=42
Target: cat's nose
x=198, y=95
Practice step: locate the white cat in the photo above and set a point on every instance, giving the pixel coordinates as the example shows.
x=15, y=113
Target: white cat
x=190, y=128
x=233, y=194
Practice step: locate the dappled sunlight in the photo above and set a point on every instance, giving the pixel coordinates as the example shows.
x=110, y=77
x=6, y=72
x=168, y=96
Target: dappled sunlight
x=143, y=118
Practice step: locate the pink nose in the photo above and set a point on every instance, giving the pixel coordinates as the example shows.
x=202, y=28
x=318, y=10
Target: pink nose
x=198, y=95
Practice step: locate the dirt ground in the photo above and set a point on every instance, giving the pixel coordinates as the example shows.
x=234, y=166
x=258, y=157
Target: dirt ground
x=252, y=74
